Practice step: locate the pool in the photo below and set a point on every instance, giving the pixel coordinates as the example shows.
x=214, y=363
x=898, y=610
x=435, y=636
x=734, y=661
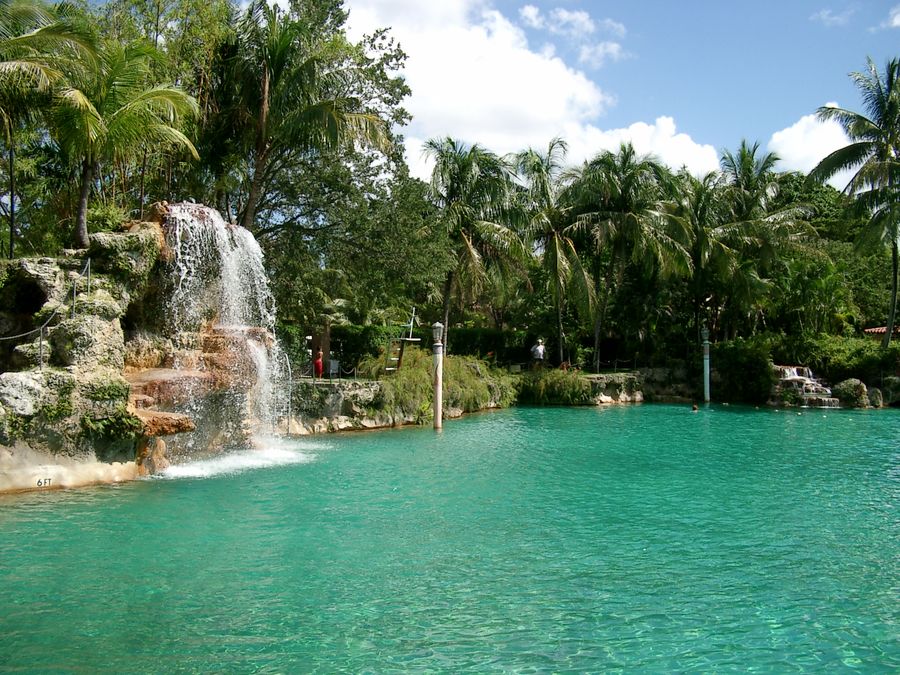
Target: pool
x=531, y=540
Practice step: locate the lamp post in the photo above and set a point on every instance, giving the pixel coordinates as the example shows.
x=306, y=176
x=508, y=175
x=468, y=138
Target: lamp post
x=704, y=333
x=437, y=349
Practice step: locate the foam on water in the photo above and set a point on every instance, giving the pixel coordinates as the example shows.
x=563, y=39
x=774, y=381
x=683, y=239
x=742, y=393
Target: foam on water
x=274, y=453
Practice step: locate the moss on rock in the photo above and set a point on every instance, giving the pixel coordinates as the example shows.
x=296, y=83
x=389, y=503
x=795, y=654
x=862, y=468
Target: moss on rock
x=851, y=393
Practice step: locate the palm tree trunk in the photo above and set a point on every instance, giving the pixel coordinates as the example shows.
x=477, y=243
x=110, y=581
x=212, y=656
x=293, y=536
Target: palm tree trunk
x=559, y=320
x=600, y=319
x=448, y=290
x=81, y=231
x=143, y=175
x=892, y=310
x=12, y=199
x=262, y=153
x=255, y=189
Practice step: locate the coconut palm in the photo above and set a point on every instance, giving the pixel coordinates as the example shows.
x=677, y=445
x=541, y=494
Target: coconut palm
x=622, y=197
x=874, y=153
x=292, y=88
x=106, y=111
x=473, y=187
x=755, y=227
x=700, y=206
x=31, y=37
x=550, y=227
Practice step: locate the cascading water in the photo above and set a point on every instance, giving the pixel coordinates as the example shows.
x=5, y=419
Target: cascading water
x=221, y=293
x=804, y=387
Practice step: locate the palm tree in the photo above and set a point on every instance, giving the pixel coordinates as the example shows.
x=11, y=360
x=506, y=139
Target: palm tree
x=755, y=228
x=700, y=206
x=550, y=227
x=472, y=187
x=622, y=198
x=874, y=151
x=292, y=88
x=106, y=111
x=30, y=39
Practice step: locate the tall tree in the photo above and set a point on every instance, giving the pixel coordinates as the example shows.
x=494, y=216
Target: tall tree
x=551, y=228
x=759, y=228
x=31, y=36
x=874, y=153
x=107, y=111
x=622, y=197
x=294, y=90
x=473, y=187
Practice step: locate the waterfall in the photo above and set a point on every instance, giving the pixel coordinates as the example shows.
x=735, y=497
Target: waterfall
x=218, y=271
x=797, y=383
x=220, y=292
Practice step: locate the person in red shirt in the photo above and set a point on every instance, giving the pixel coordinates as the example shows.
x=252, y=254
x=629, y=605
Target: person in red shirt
x=318, y=366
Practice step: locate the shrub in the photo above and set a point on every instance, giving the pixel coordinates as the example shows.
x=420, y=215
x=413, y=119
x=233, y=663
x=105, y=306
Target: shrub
x=355, y=343
x=469, y=385
x=555, y=387
x=836, y=358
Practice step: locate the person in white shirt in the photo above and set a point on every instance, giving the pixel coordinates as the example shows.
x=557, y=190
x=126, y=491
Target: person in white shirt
x=537, y=354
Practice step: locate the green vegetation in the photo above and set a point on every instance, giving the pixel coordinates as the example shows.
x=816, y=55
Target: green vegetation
x=555, y=387
x=273, y=115
x=469, y=385
x=116, y=426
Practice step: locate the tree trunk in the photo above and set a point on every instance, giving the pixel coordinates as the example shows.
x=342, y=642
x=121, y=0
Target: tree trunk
x=262, y=153
x=253, y=196
x=448, y=291
x=600, y=319
x=81, y=231
x=143, y=174
x=559, y=321
x=892, y=310
x=12, y=199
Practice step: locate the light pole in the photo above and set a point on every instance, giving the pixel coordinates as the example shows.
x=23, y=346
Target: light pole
x=704, y=333
x=437, y=349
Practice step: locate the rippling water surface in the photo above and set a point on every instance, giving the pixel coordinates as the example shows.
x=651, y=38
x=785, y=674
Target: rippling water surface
x=637, y=538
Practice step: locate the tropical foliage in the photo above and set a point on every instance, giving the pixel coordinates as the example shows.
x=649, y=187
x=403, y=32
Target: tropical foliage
x=275, y=116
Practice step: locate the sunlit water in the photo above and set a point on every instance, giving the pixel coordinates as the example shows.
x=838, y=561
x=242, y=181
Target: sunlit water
x=640, y=538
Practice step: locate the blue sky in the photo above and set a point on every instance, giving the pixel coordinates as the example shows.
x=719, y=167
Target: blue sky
x=680, y=79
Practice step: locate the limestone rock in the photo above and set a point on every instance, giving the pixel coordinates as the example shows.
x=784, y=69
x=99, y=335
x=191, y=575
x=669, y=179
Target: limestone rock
x=876, y=400
x=851, y=393
x=128, y=257
x=22, y=393
x=87, y=341
x=158, y=423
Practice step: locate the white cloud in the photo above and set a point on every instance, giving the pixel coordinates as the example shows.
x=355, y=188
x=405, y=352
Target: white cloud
x=474, y=77
x=829, y=18
x=808, y=141
x=574, y=24
x=660, y=139
x=893, y=20
x=531, y=15
x=596, y=55
x=614, y=27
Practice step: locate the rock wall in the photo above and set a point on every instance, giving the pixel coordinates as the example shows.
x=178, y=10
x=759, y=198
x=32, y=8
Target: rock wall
x=343, y=405
x=63, y=399
x=611, y=388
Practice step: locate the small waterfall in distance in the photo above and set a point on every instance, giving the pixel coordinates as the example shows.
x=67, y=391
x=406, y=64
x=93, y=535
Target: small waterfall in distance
x=221, y=293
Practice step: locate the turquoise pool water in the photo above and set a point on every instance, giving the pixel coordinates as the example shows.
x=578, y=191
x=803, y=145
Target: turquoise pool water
x=642, y=538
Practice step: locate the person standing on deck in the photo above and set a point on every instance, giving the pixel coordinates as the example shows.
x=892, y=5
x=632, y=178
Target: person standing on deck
x=537, y=354
x=318, y=365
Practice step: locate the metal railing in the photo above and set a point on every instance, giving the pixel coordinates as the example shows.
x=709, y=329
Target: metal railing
x=84, y=274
